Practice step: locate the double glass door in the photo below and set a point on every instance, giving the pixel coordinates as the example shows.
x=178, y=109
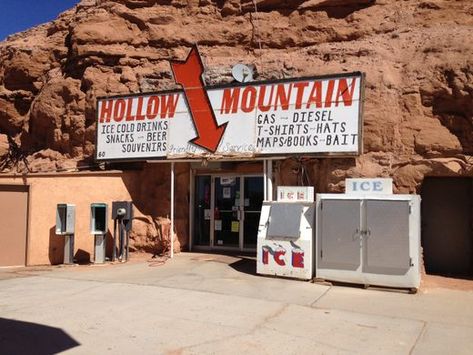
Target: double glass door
x=227, y=210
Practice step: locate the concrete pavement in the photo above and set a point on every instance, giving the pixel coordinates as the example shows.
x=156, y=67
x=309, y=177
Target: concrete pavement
x=213, y=304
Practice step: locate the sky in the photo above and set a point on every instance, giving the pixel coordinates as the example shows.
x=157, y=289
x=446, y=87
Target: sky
x=19, y=15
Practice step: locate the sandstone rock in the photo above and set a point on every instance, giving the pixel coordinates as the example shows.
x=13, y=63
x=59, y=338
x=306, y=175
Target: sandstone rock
x=51, y=114
x=46, y=160
x=4, y=145
x=152, y=236
x=12, y=121
x=417, y=109
x=20, y=71
x=105, y=29
x=314, y=4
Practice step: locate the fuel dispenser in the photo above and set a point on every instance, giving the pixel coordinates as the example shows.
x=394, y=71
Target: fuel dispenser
x=65, y=223
x=122, y=214
x=98, y=228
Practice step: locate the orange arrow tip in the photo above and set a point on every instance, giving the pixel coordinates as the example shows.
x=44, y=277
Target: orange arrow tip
x=211, y=140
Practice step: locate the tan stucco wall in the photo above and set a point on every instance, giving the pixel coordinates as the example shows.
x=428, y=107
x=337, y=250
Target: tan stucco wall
x=46, y=191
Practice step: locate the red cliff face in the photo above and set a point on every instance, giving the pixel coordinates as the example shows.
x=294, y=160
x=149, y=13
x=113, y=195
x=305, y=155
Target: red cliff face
x=417, y=56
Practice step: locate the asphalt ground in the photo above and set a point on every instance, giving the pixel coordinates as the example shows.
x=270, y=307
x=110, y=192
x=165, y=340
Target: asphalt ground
x=215, y=304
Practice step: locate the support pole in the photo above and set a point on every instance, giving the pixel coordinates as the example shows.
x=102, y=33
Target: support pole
x=121, y=241
x=114, y=252
x=171, y=237
x=269, y=174
x=265, y=188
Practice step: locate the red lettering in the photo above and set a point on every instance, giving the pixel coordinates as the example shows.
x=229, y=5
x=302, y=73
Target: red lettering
x=315, y=95
x=282, y=97
x=298, y=258
x=262, y=93
x=119, y=110
x=168, y=107
x=230, y=101
x=300, y=93
x=265, y=255
x=129, y=116
x=248, y=99
x=106, y=111
x=346, y=95
x=152, y=108
x=328, y=96
x=139, y=115
x=279, y=257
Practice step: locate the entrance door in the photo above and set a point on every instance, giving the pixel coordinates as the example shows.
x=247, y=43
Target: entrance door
x=227, y=216
x=227, y=211
x=252, y=202
x=447, y=226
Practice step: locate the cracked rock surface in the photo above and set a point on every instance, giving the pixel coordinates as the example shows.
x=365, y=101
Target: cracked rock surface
x=417, y=56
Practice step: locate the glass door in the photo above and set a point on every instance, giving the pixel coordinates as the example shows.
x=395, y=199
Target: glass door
x=226, y=211
x=252, y=202
x=202, y=211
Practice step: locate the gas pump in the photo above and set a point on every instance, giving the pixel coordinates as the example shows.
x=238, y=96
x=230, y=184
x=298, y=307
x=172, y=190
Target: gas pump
x=99, y=228
x=122, y=214
x=65, y=224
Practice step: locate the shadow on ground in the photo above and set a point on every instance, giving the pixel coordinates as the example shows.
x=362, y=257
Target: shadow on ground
x=18, y=337
x=245, y=265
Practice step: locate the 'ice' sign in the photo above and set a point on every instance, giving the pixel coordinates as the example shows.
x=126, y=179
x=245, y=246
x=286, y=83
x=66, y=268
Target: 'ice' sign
x=381, y=186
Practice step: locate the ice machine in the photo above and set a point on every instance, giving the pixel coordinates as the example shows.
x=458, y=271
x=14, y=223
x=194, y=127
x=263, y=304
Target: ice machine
x=369, y=239
x=285, y=238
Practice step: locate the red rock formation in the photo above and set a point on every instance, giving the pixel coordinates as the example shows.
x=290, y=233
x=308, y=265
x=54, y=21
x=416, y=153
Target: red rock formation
x=417, y=56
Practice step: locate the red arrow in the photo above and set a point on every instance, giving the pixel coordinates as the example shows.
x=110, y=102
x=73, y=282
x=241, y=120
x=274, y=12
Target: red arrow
x=188, y=73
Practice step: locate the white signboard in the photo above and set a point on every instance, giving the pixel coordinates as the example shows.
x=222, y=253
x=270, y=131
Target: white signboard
x=297, y=116
x=383, y=186
x=295, y=193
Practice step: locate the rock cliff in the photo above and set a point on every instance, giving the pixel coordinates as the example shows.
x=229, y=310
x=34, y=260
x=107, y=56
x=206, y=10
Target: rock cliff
x=417, y=56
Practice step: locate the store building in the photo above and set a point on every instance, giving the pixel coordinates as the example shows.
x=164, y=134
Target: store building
x=407, y=118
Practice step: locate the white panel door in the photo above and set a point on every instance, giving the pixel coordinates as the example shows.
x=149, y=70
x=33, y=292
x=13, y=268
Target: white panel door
x=339, y=245
x=386, y=241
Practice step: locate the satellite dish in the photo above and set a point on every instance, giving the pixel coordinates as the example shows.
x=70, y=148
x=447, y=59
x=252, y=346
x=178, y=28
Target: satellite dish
x=242, y=73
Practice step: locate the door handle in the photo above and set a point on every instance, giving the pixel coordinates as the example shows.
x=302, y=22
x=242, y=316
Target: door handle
x=356, y=235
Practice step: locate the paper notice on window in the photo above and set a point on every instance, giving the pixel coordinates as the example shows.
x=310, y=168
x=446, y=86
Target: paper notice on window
x=235, y=226
x=218, y=224
x=207, y=213
x=247, y=202
x=227, y=192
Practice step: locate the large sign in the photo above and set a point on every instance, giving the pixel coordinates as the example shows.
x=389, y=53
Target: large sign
x=294, y=116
